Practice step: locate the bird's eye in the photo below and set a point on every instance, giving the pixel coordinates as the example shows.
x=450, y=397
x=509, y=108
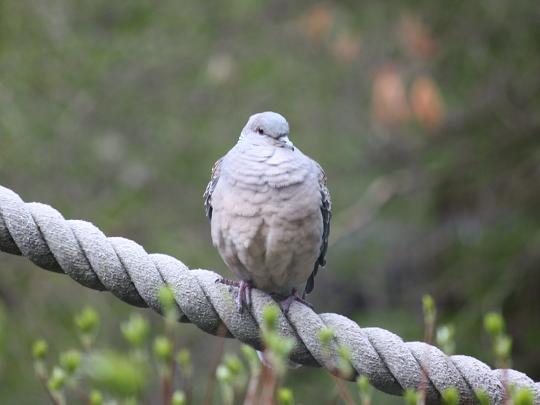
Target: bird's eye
x=260, y=131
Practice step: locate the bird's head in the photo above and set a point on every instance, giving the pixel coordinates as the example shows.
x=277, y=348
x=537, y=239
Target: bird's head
x=269, y=127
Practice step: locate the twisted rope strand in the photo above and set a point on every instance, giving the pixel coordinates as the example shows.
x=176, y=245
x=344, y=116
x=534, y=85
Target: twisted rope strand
x=121, y=266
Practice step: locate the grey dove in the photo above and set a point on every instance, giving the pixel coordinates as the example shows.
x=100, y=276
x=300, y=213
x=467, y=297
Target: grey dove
x=270, y=211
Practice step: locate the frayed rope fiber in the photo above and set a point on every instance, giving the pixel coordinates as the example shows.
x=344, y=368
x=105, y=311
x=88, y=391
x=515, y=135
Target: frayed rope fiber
x=121, y=266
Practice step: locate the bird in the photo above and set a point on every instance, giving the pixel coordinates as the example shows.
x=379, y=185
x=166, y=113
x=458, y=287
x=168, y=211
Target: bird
x=270, y=210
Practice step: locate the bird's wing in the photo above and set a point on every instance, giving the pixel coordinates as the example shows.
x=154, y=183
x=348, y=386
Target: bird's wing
x=326, y=213
x=216, y=169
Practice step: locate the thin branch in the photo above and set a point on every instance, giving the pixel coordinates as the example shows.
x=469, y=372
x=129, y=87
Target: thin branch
x=218, y=354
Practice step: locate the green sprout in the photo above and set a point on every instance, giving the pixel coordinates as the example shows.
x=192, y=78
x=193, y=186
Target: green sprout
x=344, y=367
x=482, y=397
x=252, y=359
x=277, y=347
x=87, y=323
x=326, y=335
x=494, y=324
x=40, y=348
x=179, y=398
x=523, y=396
x=70, y=361
x=163, y=349
x=285, y=396
x=237, y=370
x=450, y=396
x=344, y=361
x=135, y=330
x=183, y=358
x=168, y=303
x=430, y=314
x=444, y=337
x=95, y=397
x=225, y=379
x=270, y=316
x=411, y=397
x=502, y=343
x=57, y=380
x=364, y=389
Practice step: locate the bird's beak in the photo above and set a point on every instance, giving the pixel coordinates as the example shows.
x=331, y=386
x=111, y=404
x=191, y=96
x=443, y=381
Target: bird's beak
x=285, y=142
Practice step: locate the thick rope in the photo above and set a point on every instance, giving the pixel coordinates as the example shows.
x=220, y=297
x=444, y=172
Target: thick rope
x=121, y=266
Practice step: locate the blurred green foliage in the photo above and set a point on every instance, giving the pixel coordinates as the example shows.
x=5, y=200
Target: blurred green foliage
x=425, y=117
x=117, y=373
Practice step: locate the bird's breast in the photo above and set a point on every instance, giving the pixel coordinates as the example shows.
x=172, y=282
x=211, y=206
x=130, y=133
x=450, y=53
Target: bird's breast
x=261, y=167
x=267, y=183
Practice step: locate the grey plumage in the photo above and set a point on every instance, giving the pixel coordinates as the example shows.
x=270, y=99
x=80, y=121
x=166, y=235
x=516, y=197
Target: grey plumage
x=269, y=208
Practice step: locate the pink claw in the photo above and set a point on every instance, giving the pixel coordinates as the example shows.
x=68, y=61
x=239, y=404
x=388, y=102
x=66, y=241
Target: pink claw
x=285, y=304
x=243, y=298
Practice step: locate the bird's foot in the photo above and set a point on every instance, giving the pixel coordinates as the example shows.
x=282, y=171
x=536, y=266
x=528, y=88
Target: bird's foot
x=243, y=297
x=285, y=304
x=226, y=281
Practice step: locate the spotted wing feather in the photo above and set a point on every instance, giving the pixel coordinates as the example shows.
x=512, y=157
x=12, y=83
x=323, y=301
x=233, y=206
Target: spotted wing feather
x=326, y=213
x=210, y=188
